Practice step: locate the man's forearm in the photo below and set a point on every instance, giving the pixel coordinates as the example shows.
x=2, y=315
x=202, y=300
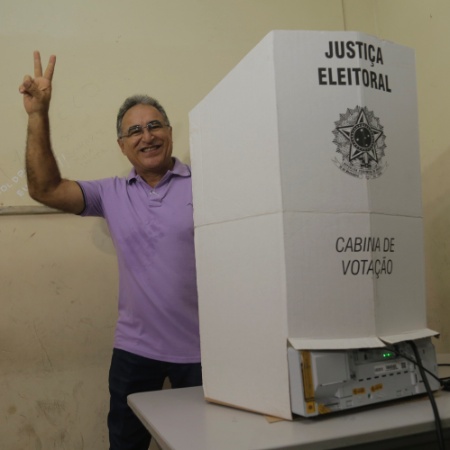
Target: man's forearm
x=44, y=179
x=42, y=169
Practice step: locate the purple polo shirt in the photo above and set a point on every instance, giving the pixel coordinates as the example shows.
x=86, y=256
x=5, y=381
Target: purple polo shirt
x=153, y=233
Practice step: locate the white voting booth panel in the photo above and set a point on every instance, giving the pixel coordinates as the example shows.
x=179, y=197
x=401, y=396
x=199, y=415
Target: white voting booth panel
x=308, y=215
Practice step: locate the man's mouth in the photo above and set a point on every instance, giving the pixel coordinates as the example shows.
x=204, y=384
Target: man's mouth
x=151, y=148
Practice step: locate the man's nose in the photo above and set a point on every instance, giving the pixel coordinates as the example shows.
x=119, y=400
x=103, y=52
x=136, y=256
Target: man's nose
x=147, y=134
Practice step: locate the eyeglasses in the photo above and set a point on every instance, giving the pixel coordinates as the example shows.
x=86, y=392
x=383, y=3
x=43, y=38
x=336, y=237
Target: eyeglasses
x=138, y=130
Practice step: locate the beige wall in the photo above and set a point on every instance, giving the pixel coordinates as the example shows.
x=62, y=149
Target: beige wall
x=58, y=272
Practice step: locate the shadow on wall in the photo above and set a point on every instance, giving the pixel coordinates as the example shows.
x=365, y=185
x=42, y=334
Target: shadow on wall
x=436, y=210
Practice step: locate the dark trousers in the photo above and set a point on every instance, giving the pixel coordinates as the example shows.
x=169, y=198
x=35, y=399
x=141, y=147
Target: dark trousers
x=129, y=374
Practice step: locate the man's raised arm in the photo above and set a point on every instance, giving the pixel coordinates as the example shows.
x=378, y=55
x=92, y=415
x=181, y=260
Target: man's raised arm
x=45, y=184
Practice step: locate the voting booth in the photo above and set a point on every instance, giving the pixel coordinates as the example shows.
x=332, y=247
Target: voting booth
x=307, y=210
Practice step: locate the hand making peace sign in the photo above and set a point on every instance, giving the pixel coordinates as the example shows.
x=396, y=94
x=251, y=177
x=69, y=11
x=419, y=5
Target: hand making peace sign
x=37, y=91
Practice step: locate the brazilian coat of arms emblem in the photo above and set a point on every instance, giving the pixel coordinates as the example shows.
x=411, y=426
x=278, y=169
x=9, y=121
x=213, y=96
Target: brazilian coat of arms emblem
x=360, y=142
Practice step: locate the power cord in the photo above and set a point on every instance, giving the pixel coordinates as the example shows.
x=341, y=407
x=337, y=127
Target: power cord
x=444, y=382
x=422, y=370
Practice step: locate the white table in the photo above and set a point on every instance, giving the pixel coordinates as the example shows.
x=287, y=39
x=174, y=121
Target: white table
x=182, y=420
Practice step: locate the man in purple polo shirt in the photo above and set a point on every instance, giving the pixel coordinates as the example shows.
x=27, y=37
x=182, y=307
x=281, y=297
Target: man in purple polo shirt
x=149, y=215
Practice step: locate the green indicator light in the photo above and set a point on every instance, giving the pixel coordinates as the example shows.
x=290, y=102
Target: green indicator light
x=388, y=355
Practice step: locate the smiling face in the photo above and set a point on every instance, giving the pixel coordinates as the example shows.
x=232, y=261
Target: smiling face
x=150, y=152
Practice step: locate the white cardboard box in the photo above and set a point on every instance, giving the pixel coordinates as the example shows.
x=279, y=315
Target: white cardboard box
x=308, y=215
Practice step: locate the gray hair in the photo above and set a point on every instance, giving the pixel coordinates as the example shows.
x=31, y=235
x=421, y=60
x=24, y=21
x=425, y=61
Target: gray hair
x=138, y=100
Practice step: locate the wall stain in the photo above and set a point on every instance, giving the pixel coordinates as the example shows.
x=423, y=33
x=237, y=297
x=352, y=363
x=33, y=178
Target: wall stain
x=52, y=410
x=28, y=432
x=47, y=362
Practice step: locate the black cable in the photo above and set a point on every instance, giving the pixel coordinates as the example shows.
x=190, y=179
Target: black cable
x=437, y=419
x=416, y=363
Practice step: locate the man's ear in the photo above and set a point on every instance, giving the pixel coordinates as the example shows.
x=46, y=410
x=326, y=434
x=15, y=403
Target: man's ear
x=121, y=145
